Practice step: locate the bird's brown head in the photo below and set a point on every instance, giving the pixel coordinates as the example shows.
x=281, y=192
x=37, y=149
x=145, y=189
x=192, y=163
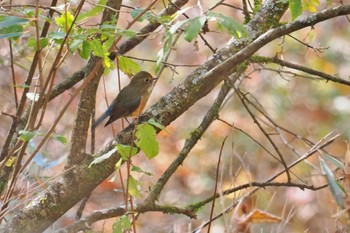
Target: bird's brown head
x=141, y=81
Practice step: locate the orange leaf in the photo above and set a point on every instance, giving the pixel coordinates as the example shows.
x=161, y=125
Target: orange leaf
x=259, y=216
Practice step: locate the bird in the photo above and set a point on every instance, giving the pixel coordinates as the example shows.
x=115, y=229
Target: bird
x=131, y=100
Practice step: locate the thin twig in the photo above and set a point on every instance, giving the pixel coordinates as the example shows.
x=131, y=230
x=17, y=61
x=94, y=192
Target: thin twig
x=216, y=183
x=243, y=99
x=309, y=153
x=13, y=74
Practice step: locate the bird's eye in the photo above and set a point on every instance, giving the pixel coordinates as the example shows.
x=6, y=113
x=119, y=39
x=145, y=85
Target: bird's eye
x=146, y=80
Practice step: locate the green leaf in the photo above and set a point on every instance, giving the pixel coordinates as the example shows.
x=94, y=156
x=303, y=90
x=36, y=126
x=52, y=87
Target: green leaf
x=7, y=21
x=165, y=19
x=235, y=28
x=100, y=50
x=11, y=26
x=296, y=8
x=33, y=43
x=135, y=12
x=128, y=66
x=125, y=151
x=61, y=139
x=57, y=36
x=168, y=38
x=124, y=32
x=65, y=21
x=334, y=186
x=97, y=48
x=146, y=135
x=153, y=122
x=43, y=42
x=194, y=27
x=12, y=32
x=20, y=86
x=75, y=44
x=133, y=187
x=147, y=15
x=122, y=224
x=96, y=10
x=176, y=26
x=26, y=135
x=138, y=169
x=86, y=49
x=119, y=164
x=103, y=157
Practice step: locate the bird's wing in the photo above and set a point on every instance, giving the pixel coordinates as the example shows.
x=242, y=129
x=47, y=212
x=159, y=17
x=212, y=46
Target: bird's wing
x=123, y=108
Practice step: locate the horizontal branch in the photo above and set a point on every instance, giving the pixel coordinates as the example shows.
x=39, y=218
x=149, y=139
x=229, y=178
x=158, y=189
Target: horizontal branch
x=98, y=215
x=327, y=77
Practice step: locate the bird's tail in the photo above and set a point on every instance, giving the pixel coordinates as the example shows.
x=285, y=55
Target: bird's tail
x=100, y=119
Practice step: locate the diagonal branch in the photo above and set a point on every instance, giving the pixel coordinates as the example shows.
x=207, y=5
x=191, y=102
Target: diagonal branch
x=81, y=179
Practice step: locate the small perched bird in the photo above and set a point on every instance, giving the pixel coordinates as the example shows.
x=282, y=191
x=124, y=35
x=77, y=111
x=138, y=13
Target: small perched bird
x=131, y=100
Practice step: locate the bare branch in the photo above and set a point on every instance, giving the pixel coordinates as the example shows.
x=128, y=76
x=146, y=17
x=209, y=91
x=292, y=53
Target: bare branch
x=301, y=68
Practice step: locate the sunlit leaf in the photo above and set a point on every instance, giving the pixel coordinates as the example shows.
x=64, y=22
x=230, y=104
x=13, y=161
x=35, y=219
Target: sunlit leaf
x=128, y=66
x=10, y=161
x=311, y=5
x=97, y=48
x=65, y=21
x=100, y=50
x=122, y=224
x=133, y=187
x=26, y=135
x=103, y=157
x=334, y=186
x=296, y=8
x=125, y=151
x=119, y=164
x=146, y=135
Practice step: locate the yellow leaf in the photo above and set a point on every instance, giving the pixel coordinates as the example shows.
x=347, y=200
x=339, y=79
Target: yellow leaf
x=311, y=5
x=10, y=161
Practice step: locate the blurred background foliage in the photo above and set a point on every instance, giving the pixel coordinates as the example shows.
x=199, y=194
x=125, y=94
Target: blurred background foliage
x=307, y=106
